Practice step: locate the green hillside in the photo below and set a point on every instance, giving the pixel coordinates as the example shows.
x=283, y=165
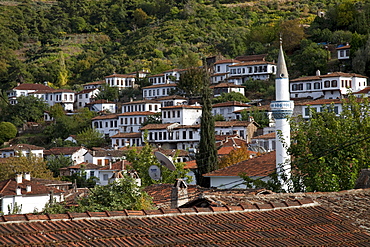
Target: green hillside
x=68, y=42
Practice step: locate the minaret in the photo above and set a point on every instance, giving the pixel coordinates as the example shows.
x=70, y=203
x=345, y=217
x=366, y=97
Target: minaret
x=282, y=109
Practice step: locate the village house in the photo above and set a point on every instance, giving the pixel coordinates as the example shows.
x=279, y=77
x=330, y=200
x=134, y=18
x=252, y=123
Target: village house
x=102, y=105
x=129, y=122
x=224, y=87
x=94, y=84
x=266, y=141
x=343, y=52
x=124, y=81
x=120, y=140
x=106, y=124
x=227, y=109
x=63, y=97
x=330, y=86
x=24, y=90
x=85, y=97
x=221, y=69
x=25, y=150
x=158, y=90
x=21, y=195
x=77, y=154
x=106, y=173
x=168, y=76
x=251, y=70
x=259, y=167
x=103, y=157
x=172, y=100
x=141, y=106
x=87, y=170
x=182, y=114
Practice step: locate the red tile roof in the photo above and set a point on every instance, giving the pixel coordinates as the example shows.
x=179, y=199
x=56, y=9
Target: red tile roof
x=94, y=83
x=170, y=97
x=100, y=101
x=227, y=61
x=259, y=166
x=62, y=150
x=141, y=102
x=363, y=91
x=161, y=85
x=251, y=63
x=20, y=147
x=26, y=86
x=226, y=85
x=271, y=135
x=121, y=76
x=225, y=150
x=231, y=103
x=155, y=126
x=84, y=165
x=334, y=74
x=87, y=90
x=192, y=164
x=107, y=116
x=289, y=223
x=119, y=165
x=8, y=188
x=127, y=135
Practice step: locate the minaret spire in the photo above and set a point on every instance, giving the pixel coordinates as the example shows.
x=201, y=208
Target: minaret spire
x=282, y=110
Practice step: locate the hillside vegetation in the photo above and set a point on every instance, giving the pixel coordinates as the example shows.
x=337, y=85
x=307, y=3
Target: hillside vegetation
x=68, y=43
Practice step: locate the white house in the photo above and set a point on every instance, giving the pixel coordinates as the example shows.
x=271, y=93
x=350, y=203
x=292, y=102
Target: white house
x=24, y=90
x=260, y=167
x=256, y=70
x=267, y=141
x=182, y=114
x=93, y=85
x=106, y=124
x=173, y=135
x=158, y=90
x=126, y=139
x=168, y=76
x=227, y=109
x=102, y=105
x=90, y=170
x=64, y=97
x=244, y=129
x=86, y=96
x=318, y=106
x=121, y=81
x=224, y=87
x=141, y=105
x=343, y=52
x=75, y=153
x=103, y=157
x=329, y=86
x=25, y=150
x=23, y=196
x=108, y=171
x=221, y=70
x=172, y=100
x=131, y=121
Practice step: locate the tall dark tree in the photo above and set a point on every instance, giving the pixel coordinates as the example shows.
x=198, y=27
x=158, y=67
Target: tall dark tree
x=206, y=158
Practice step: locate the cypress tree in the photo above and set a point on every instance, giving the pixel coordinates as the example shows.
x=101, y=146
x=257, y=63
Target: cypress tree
x=206, y=157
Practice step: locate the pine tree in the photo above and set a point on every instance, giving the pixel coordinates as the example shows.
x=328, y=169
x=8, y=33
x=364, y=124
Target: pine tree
x=206, y=158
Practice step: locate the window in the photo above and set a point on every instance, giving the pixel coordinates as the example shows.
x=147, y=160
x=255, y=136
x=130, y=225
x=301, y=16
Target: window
x=173, y=114
x=150, y=107
x=326, y=83
x=308, y=86
x=294, y=87
x=178, y=114
x=316, y=85
x=160, y=135
x=184, y=134
x=334, y=83
x=177, y=135
x=86, y=96
x=155, y=108
x=99, y=162
x=218, y=68
x=164, y=135
x=92, y=173
x=336, y=109
x=164, y=114
x=125, y=120
x=163, y=91
x=191, y=134
x=306, y=111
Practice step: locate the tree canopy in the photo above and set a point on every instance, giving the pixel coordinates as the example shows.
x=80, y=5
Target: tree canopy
x=7, y=132
x=329, y=150
x=232, y=96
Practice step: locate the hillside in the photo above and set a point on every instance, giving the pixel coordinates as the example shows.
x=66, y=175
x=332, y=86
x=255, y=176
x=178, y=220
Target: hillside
x=68, y=43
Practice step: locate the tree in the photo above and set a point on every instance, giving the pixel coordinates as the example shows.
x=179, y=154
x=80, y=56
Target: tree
x=116, y=196
x=328, y=151
x=17, y=165
x=259, y=117
x=155, y=118
x=292, y=33
x=108, y=93
x=28, y=109
x=55, y=162
x=7, y=132
x=142, y=159
x=235, y=156
x=232, y=96
x=90, y=137
x=206, y=157
x=190, y=82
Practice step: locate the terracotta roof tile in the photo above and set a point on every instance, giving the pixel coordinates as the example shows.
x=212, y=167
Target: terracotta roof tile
x=84, y=165
x=227, y=61
x=259, y=166
x=8, y=188
x=170, y=97
x=225, y=150
x=224, y=85
x=95, y=83
x=271, y=135
x=251, y=63
x=107, y=116
x=100, y=101
x=192, y=164
x=26, y=86
x=127, y=135
x=182, y=107
x=21, y=147
x=161, y=85
x=140, y=102
x=120, y=76
x=62, y=150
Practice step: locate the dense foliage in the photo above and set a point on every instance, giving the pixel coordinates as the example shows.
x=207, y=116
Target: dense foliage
x=68, y=42
x=328, y=151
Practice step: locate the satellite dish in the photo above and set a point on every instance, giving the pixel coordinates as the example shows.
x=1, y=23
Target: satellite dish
x=154, y=172
x=165, y=161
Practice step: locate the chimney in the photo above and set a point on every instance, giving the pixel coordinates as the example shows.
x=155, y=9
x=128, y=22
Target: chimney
x=179, y=193
x=28, y=188
x=18, y=191
x=318, y=73
x=18, y=178
x=27, y=176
